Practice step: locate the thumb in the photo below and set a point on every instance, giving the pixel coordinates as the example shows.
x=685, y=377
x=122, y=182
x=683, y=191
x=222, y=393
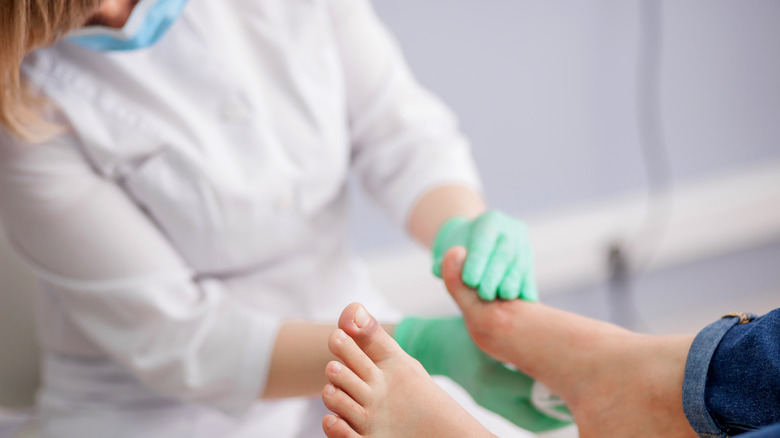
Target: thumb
x=452, y=274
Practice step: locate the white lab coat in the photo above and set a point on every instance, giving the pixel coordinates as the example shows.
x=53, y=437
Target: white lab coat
x=197, y=200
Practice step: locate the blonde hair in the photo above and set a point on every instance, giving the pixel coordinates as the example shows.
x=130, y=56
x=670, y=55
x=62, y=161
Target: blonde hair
x=26, y=25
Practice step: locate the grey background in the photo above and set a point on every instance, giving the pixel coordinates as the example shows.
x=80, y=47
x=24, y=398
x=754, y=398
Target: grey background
x=546, y=91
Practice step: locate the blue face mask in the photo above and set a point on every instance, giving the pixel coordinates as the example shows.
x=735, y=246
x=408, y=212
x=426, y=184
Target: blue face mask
x=148, y=22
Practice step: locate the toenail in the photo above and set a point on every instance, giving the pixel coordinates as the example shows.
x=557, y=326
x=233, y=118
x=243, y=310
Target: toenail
x=330, y=389
x=335, y=367
x=361, y=317
x=331, y=421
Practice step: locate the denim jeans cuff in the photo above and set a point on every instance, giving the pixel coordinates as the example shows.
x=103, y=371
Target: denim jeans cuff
x=695, y=381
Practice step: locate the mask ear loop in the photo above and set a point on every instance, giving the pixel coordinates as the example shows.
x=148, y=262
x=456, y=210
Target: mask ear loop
x=127, y=32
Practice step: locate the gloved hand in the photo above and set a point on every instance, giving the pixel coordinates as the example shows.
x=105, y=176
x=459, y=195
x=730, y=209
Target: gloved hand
x=444, y=347
x=499, y=261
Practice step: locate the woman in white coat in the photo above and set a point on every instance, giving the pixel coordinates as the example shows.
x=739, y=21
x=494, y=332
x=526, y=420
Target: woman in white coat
x=184, y=203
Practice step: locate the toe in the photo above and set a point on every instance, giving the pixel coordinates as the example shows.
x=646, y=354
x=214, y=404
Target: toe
x=368, y=334
x=466, y=298
x=345, y=379
x=340, y=403
x=345, y=348
x=335, y=427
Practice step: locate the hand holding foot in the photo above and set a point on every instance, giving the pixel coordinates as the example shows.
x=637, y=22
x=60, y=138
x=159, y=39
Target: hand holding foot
x=444, y=347
x=615, y=382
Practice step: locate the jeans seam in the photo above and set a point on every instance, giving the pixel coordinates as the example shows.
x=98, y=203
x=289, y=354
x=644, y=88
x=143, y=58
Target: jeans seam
x=743, y=317
x=696, y=370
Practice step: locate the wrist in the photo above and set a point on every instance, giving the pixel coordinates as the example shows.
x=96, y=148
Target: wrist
x=439, y=204
x=448, y=227
x=452, y=232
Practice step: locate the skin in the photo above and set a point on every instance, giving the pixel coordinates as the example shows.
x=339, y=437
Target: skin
x=615, y=382
x=440, y=204
x=112, y=13
x=380, y=391
x=294, y=375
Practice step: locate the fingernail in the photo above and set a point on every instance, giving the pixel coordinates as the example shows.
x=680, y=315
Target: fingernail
x=331, y=421
x=335, y=367
x=361, y=317
x=340, y=335
x=330, y=390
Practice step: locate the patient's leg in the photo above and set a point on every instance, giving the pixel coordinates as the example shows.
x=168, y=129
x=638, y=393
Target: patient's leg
x=616, y=383
x=384, y=392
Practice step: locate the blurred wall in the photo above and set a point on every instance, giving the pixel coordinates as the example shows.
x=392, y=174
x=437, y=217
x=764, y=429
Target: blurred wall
x=546, y=90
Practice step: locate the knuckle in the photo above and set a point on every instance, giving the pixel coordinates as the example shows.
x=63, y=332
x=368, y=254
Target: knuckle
x=501, y=259
x=512, y=277
x=332, y=342
x=477, y=256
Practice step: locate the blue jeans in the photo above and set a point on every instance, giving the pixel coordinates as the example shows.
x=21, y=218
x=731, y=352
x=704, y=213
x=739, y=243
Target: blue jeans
x=732, y=377
x=767, y=432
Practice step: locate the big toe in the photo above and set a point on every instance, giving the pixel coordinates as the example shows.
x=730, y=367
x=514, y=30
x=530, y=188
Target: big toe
x=368, y=334
x=451, y=273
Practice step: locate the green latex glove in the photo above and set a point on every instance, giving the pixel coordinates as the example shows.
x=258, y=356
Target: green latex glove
x=499, y=261
x=444, y=347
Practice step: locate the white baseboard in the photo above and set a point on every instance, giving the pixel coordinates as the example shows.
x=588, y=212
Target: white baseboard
x=712, y=216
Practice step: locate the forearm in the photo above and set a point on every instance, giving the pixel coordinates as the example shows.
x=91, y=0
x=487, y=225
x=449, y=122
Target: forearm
x=440, y=204
x=299, y=358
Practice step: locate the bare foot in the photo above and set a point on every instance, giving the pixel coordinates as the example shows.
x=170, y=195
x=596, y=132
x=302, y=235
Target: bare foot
x=616, y=383
x=380, y=391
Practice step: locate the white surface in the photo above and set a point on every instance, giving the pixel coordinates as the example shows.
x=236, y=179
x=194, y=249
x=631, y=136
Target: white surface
x=493, y=422
x=566, y=432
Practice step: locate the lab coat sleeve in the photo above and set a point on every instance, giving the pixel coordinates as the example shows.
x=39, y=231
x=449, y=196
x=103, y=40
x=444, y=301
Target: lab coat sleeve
x=405, y=141
x=124, y=286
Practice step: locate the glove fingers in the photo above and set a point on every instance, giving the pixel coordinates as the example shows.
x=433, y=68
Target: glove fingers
x=510, y=285
x=482, y=241
x=453, y=232
x=525, y=265
x=437, y=266
x=500, y=261
x=529, y=291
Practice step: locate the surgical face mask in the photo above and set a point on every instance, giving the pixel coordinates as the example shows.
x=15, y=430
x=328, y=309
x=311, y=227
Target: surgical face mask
x=147, y=23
